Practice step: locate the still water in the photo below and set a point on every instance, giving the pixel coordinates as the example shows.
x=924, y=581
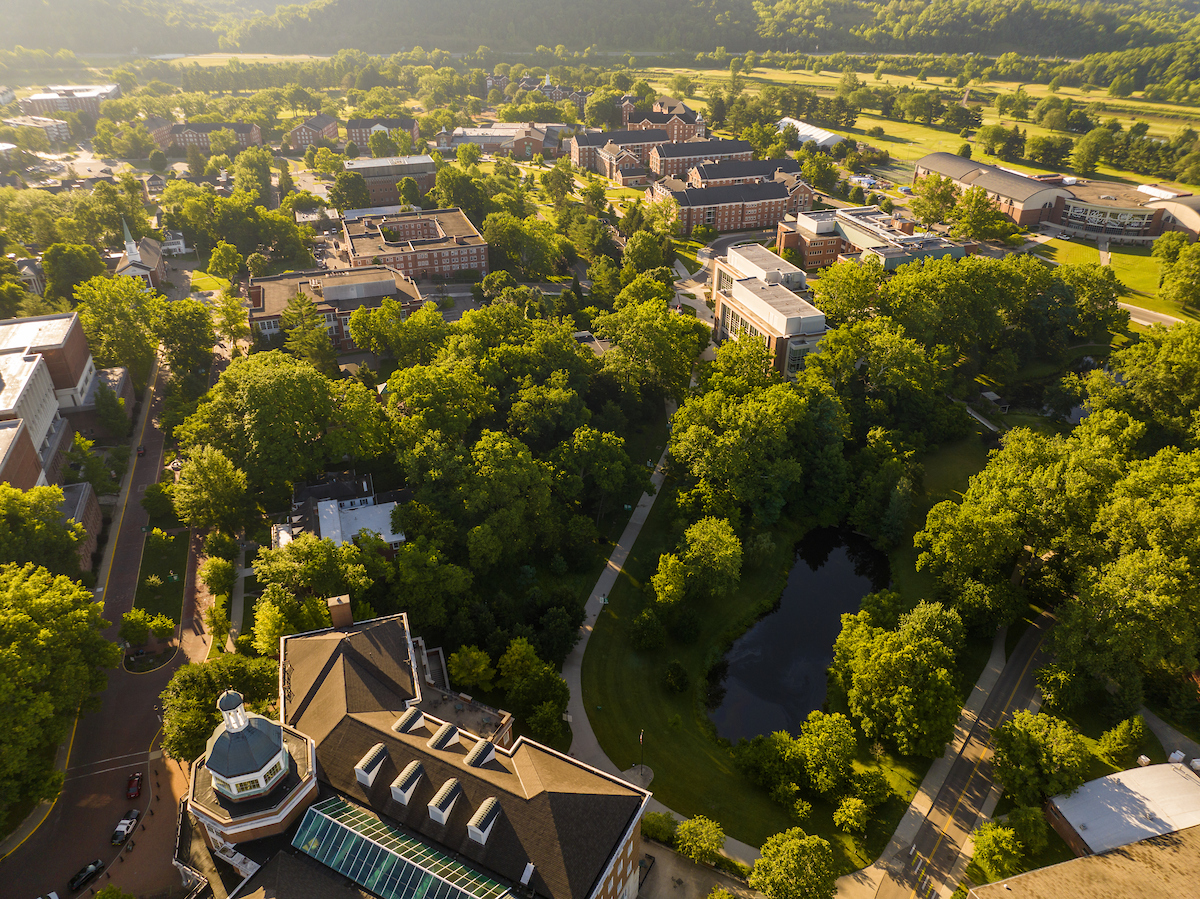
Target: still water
x=776, y=671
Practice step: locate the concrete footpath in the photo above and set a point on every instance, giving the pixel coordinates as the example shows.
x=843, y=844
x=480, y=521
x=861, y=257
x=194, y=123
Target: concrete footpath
x=865, y=882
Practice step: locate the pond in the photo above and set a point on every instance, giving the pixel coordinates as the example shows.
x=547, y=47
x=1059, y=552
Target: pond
x=775, y=673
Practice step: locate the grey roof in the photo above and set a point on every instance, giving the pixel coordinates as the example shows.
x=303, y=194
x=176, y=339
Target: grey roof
x=400, y=122
x=319, y=121
x=247, y=751
x=229, y=700
x=210, y=127
x=746, y=168
x=662, y=118
x=563, y=817
x=992, y=179
x=600, y=138
x=732, y=193
x=703, y=148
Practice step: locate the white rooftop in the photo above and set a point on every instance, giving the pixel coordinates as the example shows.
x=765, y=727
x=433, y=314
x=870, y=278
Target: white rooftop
x=342, y=525
x=807, y=132
x=1133, y=805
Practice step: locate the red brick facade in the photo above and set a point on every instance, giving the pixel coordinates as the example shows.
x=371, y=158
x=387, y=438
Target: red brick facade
x=678, y=159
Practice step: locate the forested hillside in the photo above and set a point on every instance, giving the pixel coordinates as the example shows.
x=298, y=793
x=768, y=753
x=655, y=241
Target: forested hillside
x=1039, y=27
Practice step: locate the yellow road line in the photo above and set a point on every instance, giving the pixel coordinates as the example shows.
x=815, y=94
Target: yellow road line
x=963, y=792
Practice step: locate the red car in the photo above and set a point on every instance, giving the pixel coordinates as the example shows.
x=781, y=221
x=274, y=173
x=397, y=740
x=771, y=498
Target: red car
x=133, y=789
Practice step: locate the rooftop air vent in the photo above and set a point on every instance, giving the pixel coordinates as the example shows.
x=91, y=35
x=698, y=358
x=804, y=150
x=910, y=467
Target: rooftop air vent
x=367, y=769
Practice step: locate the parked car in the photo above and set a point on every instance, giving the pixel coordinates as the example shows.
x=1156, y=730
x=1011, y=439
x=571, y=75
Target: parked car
x=141, y=451
x=133, y=788
x=125, y=827
x=1063, y=235
x=86, y=874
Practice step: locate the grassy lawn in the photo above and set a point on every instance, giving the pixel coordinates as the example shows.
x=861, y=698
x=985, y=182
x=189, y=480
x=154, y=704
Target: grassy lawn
x=694, y=772
x=162, y=558
x=1068, y=252
x=205, y=281
x=686, y=251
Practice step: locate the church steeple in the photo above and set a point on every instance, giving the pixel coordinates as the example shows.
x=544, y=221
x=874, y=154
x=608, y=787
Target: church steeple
x=131, y=247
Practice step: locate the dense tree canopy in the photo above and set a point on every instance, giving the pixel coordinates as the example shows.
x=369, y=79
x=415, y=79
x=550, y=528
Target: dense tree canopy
x=52, y=659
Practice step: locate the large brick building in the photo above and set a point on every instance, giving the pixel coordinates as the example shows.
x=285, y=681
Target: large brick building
x=320, y=127
x=336, y=293
x=360, y=130
x=383, y=174
x=729, y=172
x=678, y=159
x=607, y=152
x=520, y=140
x=199, y=134
x=438, y=243
x=671, y=116
x=85, y=98
x=732, y=208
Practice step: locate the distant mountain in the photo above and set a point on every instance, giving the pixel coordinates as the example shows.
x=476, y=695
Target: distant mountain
x=1028, y=27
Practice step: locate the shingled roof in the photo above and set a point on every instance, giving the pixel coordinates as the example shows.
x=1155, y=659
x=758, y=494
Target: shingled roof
x=703, y=148
x=563, y=817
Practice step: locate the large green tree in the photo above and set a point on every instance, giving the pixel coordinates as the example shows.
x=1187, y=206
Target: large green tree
x=211, y=491
x=32, y=530
x=67, y=266
x=1038, y=756
x=122, y=321
x=52, y=661
x=189, y=702
x=795, y=865
x=187, y=336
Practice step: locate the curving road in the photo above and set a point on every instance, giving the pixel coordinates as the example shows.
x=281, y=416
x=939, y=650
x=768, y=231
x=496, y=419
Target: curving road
x=932, y=868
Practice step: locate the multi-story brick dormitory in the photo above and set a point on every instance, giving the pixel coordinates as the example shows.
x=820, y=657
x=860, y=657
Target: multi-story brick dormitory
x=733, y=208
x=438, y=243
x=336, y=293
x=360, y=130
x=678, y=159
x=199, y=134
x=736, y=171
x=608, y=152
x=320, y=127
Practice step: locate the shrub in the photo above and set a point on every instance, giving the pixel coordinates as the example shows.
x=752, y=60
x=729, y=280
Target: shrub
x=1121, y=744
x=675, y=678
x=800, y=810
x=660, y=827
x=219, y=575
x=852, y=815
x=700, y=839
x=158, y=501
x=647, y=632
x=872, y=787
x=546, y=722
x=222, y=545
x=998, y=849
x=1032, y=829
x=135, y=627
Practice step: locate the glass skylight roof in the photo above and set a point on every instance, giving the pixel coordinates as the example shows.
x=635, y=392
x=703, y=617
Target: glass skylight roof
x=380, y=858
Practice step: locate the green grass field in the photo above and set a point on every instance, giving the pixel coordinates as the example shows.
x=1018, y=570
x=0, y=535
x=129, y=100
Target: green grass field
x=1067, y=252
x=205, y=281
x=166, y=560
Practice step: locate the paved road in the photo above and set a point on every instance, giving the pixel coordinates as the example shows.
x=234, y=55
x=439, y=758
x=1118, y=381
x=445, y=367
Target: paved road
x=1149, y=317
x=956, y=809
x=110, y=743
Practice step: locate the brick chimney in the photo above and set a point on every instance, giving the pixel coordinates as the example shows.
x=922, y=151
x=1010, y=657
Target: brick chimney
x=340, y=612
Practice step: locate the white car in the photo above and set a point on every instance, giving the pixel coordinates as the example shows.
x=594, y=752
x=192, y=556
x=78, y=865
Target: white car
x=127, y=825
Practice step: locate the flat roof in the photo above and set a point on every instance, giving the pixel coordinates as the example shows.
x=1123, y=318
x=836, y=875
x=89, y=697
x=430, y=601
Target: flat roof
x=39, y=332
x=1108, y=193
x=1132, y=805
x=423, y=161
x=757, y=254
x=278, y=290
x=453, y=229
x=16, y=368
x=1160, y=866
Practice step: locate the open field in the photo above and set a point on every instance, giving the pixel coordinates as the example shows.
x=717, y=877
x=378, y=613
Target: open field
x=909, y=141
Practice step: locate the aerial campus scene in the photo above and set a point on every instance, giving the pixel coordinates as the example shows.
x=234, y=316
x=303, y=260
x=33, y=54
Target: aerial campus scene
x=691, y=449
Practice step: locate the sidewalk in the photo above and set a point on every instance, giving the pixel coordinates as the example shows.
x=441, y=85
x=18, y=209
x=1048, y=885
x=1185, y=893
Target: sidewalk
x=584, y=745
x=1170, y=738
x=864, y=883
